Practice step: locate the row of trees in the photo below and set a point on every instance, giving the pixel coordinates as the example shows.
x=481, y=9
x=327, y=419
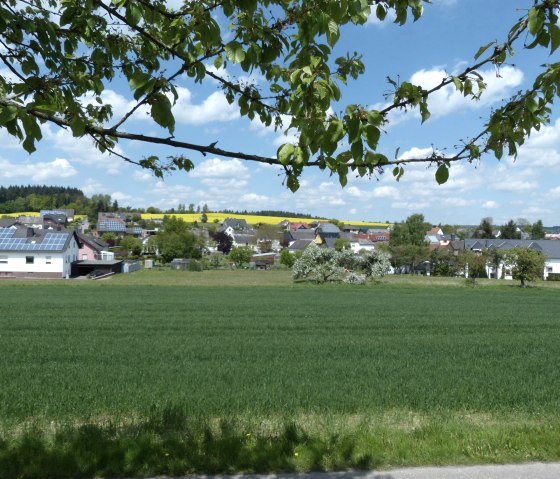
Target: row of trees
x=510, y=230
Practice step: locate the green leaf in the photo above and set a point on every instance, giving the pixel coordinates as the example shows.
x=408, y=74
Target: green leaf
x=353, y=126
x=161, y=112
x=133, y=13
x=335, y=131
x=7, y=114
x=375, y=159
x=357, y=149
x=235, y=52
x=285, y=153
x=535, y=20
x=371, y=134
x=554, y=37
x=293, y=183
x=458, y=83
x=332, y=33
x=482, y=49
x=442, y=174
x=78, y=126
x=138, y=80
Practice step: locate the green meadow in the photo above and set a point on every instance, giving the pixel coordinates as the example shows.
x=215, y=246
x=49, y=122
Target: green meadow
x=165, y=372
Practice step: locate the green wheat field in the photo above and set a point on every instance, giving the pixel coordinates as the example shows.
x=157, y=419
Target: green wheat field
x=165, y=372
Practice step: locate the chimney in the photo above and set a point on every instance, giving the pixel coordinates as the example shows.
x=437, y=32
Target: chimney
x=30, y=232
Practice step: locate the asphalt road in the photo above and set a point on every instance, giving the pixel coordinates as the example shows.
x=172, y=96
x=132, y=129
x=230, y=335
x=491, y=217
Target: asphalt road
x=519, y=471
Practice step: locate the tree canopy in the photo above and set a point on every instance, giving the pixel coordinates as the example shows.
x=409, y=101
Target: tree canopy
x=526, y=264
x=60, y=55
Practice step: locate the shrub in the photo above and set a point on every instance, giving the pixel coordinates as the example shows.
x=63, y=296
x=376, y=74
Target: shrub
x=355, y=278
x=195, y=265
x=553, y=277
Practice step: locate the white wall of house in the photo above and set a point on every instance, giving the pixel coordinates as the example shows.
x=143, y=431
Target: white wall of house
x=551, y=266
x=356, y=247
x=48, y=263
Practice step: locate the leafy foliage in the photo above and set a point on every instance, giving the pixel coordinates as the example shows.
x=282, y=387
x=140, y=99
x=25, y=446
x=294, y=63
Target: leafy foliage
x=485, y=229
x=510, y=231
x=241, y=255
x=224, y=242
x=61, y=56
x=537, y=230
x=526, y=264
x=175, y=240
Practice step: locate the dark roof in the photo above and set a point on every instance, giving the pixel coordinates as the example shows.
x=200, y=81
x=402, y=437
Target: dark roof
x=241, y=238
x=98, y=262
x=551, y=249
x=234, y=223
x=300, y=245
x=300, y=234
x=328, y=228
x=96, y=243
x=30, y=239
x=329, y=242
x=7, y=222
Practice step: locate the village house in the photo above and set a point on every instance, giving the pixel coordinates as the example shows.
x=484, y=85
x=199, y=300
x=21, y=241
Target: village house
x=37, y=253
x=550, y=250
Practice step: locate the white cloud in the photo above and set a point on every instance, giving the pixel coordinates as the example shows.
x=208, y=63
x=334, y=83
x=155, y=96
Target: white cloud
x=224, y=186
x=214, y=108
x=385, y=192
x=217, y=168
x=93, y=187
x=535, y=211
x=448, y=100
x=83, y=151
x=120, y=196
x=411, y=206
x=490, y=205
x=542, y=148
x=142, y=175
x=38, y=172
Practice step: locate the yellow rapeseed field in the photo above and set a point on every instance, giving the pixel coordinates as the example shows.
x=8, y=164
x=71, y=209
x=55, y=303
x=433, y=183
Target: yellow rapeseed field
x=220, y=217
x=253, y=219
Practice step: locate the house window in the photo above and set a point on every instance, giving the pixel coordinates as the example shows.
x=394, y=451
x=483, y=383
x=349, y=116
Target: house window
x=3, y=258
x=29, y=259
x=549, y=269
x=48, y=259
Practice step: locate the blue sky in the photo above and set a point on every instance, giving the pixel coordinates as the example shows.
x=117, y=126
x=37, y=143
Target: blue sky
x=443, y=41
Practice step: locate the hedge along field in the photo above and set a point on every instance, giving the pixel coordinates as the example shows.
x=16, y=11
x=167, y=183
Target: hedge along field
x=414, y=364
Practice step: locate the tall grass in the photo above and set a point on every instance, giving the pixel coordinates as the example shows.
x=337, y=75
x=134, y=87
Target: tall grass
x=366, y=370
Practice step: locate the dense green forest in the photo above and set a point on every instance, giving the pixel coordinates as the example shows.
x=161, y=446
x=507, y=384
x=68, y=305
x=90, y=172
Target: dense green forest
x=14, y=199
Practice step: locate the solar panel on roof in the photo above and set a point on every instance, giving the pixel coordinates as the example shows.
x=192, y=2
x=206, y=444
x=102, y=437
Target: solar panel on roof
x=109, y=225
x=49, y=242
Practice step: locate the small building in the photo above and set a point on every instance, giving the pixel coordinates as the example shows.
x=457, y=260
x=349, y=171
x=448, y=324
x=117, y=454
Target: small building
x=104, y=267
x=91, y=248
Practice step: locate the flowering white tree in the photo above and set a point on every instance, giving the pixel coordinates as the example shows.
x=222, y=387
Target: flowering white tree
x=325, y=264
x=376, y=264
